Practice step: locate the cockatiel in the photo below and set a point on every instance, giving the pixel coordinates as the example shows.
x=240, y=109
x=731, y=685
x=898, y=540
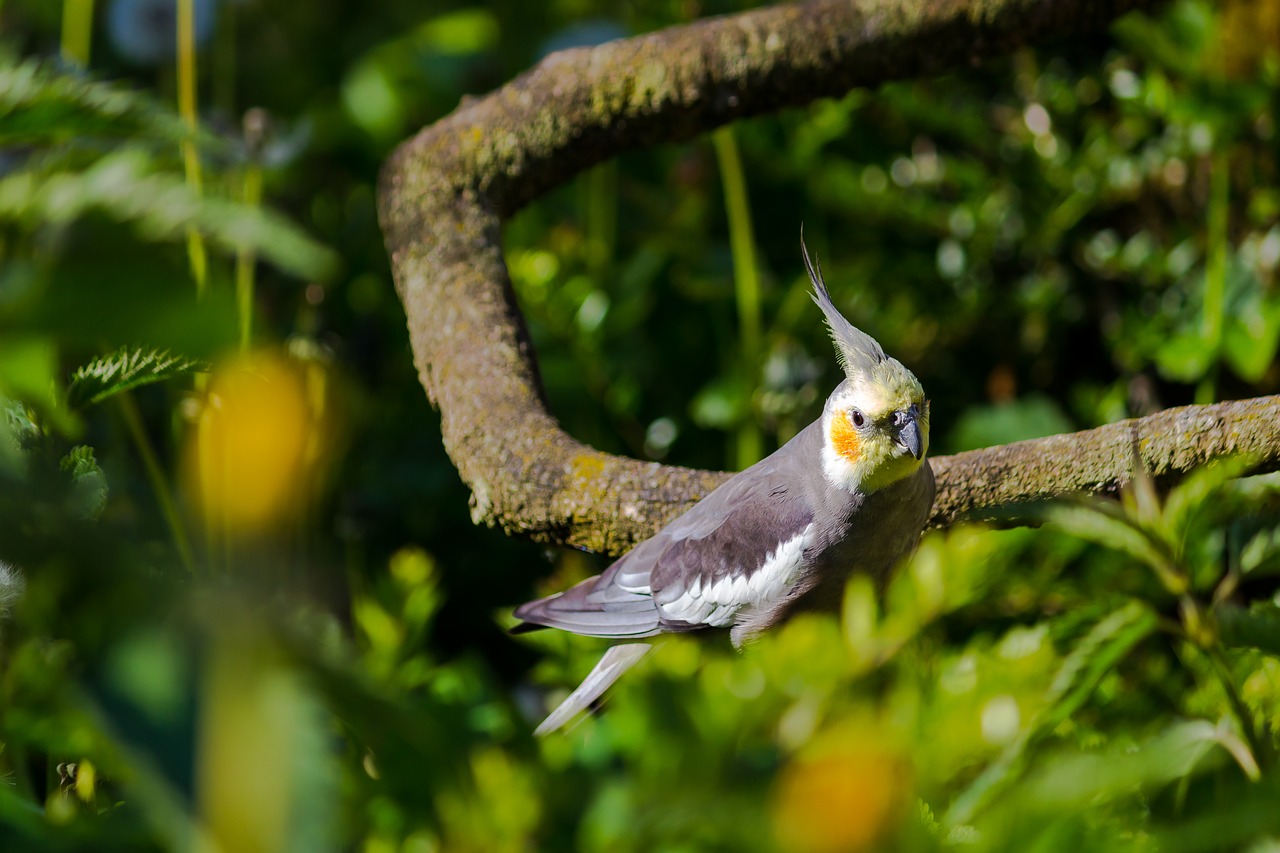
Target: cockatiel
x=850, y=493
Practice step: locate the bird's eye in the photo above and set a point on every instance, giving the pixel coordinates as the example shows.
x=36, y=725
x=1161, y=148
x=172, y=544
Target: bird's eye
x=857, y=417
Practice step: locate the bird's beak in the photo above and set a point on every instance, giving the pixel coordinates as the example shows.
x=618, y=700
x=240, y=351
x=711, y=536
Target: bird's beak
x=909, y=432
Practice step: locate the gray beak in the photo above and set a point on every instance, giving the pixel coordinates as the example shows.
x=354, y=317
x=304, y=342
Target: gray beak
x=909, y=431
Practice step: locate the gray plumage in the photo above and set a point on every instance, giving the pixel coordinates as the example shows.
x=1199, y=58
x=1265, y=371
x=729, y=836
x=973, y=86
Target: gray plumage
x=728, y=535
x=849, y=493
x=616, y=661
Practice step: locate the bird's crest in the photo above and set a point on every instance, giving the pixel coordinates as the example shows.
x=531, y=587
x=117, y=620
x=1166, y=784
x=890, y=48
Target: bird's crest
x=858, y=352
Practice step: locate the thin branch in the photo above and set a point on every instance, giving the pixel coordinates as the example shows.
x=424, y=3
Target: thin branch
x=445, y=194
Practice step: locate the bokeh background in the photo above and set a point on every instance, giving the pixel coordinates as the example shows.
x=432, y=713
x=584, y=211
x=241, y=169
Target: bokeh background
x=246, y=606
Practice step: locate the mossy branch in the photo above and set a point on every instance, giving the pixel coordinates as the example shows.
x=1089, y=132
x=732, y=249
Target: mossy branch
x=445, y=194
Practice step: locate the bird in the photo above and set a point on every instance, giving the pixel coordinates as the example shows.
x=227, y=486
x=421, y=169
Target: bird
x=850, y=493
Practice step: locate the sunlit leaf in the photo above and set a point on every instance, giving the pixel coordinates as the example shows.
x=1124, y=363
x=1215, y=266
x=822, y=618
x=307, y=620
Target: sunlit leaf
x=1106, y=526
x=126, y=186
x=41, y=104
x=1185, y=357
x=29, y=373
x=1073, y=781
x=125, y=369
x=1192, y=493
x=1094, y=656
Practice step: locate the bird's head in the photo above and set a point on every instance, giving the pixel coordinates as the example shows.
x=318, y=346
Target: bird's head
x=875, y=424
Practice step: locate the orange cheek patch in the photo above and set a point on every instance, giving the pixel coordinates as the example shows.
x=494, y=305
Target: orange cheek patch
x=845, y=439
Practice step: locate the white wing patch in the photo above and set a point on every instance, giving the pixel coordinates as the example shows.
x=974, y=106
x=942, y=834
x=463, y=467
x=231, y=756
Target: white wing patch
x=717, y=604
x=636, y=583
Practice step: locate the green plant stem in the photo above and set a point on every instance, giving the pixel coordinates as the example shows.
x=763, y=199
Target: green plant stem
x=196, y=253
x=246, y=260
x=155, y=475
x=1215, y=273
x=77, y=32
x=746, y=280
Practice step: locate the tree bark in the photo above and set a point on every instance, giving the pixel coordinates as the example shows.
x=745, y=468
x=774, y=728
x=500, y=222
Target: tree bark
x=445, y=194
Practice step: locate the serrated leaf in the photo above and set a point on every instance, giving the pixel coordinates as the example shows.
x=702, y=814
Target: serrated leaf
x=89, y=484
x=125, y=369
x=40, y=104
x=127, y=187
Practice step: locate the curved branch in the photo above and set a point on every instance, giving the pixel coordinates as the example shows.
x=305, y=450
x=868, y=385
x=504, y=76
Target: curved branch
x=445, y=194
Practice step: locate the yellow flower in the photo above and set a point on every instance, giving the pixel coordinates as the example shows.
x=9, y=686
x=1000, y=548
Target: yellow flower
x=257, y=440
x=843, y=793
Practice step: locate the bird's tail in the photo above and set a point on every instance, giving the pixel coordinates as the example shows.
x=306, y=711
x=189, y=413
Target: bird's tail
x=615, y=662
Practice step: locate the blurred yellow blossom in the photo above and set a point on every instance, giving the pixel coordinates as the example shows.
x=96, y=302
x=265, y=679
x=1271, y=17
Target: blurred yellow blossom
x=251, y=460
x=843, y=792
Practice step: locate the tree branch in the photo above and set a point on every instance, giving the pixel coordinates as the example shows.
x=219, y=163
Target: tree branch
x=1170, y=443
x=445, y=194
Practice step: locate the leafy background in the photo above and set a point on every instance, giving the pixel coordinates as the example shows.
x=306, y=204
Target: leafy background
x=248, y=610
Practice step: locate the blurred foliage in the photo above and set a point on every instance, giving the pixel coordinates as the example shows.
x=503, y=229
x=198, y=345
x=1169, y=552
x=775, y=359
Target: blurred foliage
x=246, y=609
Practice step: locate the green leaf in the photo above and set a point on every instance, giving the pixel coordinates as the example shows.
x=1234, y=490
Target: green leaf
x=89, y=484
x=459, y=33
x=124, y=369
x=1251, y=330
x=1079, y=781
x=41, y=104
x=1094, y=656
x=1033, y=416
x=1257, y=627
x=1105, y=524
x=1194, y=493
x=861, y=618
x=126, y=186
x=1186, y=356
x=29, y=372
x=109, y=289
x=1251, y=339
x=1261, y=553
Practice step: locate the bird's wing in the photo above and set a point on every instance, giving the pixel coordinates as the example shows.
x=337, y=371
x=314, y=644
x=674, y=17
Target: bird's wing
x=615, y=604
x=615, y=662
x=746, y=548
x=736, y=547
